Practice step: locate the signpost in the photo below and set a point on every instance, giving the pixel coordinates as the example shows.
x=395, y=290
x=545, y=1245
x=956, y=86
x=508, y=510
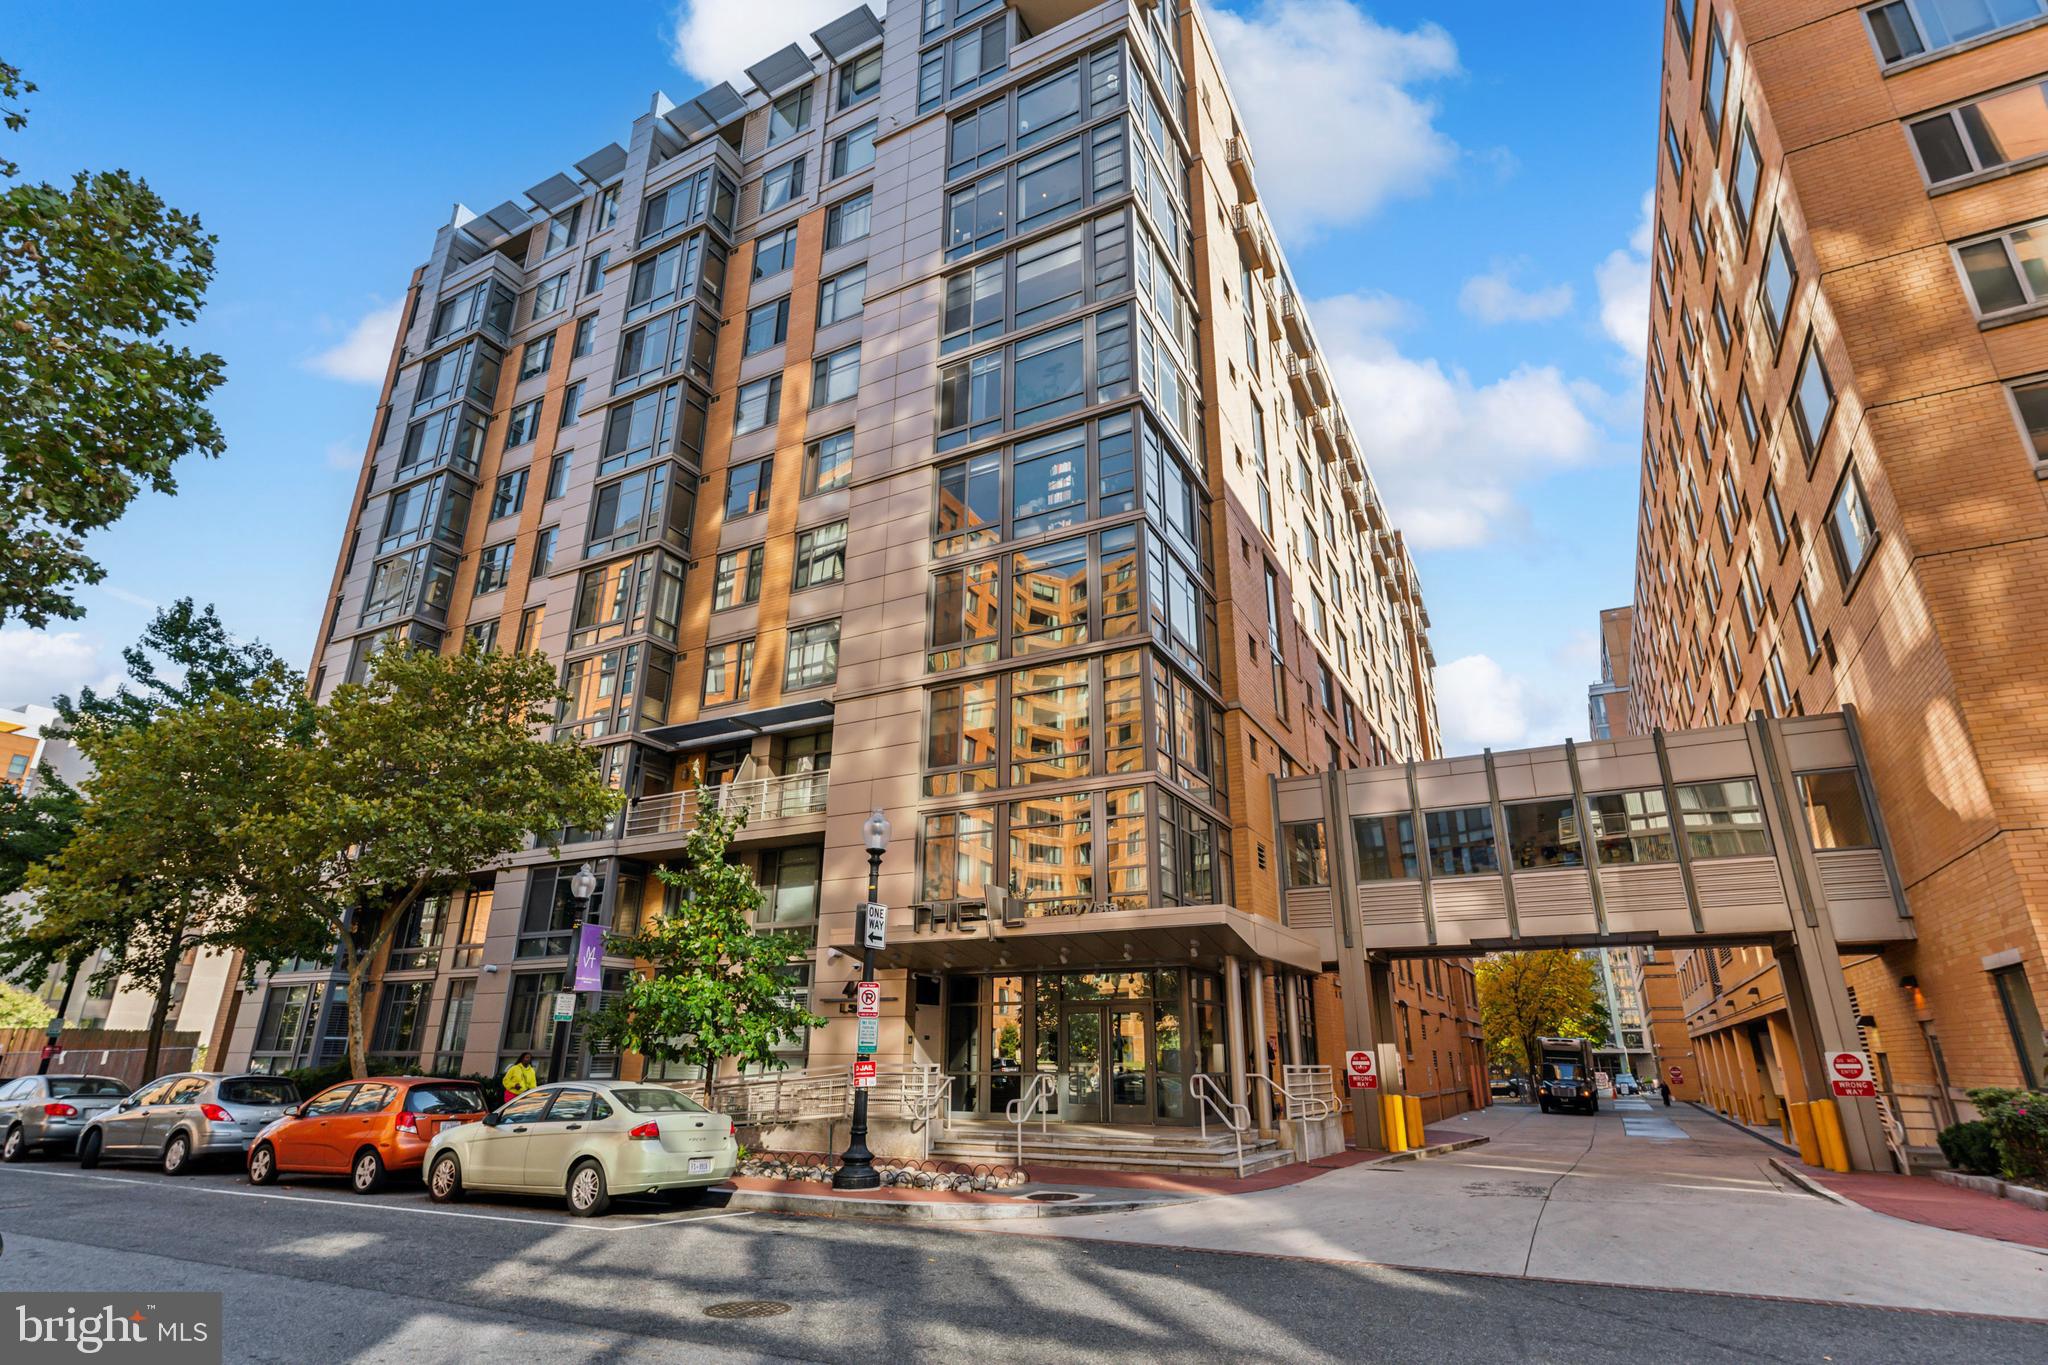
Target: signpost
x=874, y=925
x=1849, y=1074
x=565, y=1006
x=1361, y=1070
x=864, y=1074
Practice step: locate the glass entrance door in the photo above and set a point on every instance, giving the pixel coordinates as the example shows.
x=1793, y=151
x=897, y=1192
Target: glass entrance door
x=1082, y=1089
x=1130, y=1076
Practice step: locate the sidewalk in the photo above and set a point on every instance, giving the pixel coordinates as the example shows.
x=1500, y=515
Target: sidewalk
x=1920, y=1199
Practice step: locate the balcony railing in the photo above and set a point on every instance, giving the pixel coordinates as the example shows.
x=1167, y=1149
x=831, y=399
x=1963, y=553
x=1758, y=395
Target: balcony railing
x=1238, y=154
x=759, y=799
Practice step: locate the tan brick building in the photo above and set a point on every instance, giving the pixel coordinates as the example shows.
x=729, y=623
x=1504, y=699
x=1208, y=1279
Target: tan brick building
x=1843, y=497
x=930, y=425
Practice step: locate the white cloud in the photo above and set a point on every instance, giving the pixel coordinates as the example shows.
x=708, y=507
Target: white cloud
x=717, y=40
x=1449, y=452
x=1624, y=283
x=1494, y=298
x=1326, y=94
x=36, y=665
x=1481, y=705
x=345, y=456
x=361, y=356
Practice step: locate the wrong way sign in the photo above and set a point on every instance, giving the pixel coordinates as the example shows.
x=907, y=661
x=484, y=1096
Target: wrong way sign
x=1849, y=1076
x=1361, y=1071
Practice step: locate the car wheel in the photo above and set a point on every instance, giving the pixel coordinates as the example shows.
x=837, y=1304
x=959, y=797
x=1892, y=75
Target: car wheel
x=587, y=1194
x=368, y=1175
x=16, y=1146
x=177, y=1154
x=89, y=1150
x=688, y=1197
x=444, y=1179
x=263, y=1165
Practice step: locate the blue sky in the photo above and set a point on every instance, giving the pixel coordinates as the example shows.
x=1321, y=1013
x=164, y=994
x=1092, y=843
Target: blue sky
x=1461, y=199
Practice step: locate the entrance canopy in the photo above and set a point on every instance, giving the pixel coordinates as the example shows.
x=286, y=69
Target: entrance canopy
x=1200, y=935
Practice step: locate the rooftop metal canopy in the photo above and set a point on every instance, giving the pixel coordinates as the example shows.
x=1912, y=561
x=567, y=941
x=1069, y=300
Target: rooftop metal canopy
x=849, y=33
x=602, y=165
x=787, y=68
x=555, y=191
x=702, y=734
x=499, y=223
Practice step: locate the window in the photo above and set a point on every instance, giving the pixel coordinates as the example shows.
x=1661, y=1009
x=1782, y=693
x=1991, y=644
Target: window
x=1631, y=827
x=1048, y=380
x=1048, y=107
x=1460, y=841
x=1851, y=530
x=835, y=377
x=1049, y=728
x=767, y=325
x=1681, y=19
x=551, y=295
x=860, y=78
x=523, y=423
x=1808, y=636
x=828, y=463
x=979, y=137
x=1049, y=183
x=789, y=115
x=544, y=551
x=481, y=636
x=841, y=296
x=1723, y=819
x=636, y=508
x=853, y=151
x=847, y=220
x=670, y=274
x=1746, y=410
x=737, y=580
x=965, y=63
x=509, y=495
x=530, y=622
x=977, y=215
x=1714, y=95
x=1544, y=834
x=820, y=555
x=783, y=185
x=1775, y=515
x=401, y=1025
x=759, y=405
x=586, y=337
x=1303, y=855
x=813, y=659
x=1722, y=331
x=593, y=272
x=747, y=486
x=537, y=356
x=1674, y=151
x=558, y=475
x=728, y=672
x=1813, y=399
x=494, y=568
x=2008, y=271
x=2030, y=400
x=774, y=252
x=2023, y=1023
x=1386, y=847
x=1997, y=130
x=1905, y=29
x=561, y=234
x=1784, y=702
x=1778, y=279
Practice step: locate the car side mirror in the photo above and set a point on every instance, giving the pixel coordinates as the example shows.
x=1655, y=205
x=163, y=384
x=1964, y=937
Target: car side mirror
x=129, y=1103
x=296, y=1111
x=492, y=1120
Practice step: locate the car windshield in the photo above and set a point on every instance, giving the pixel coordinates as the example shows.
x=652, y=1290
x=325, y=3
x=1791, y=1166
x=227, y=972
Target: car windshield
x=654, y=1100
x=85, y=1088
x=259, y=1090
x=461, y=1098
x=1560, y=1071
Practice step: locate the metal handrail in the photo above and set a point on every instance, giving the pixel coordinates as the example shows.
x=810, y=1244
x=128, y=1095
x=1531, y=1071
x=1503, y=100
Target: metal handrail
x=1229, y=1112
x=777, y=797
x=1317, y=1086
x=935, y=1103
x=1037, y=1096
x=1293, y=1106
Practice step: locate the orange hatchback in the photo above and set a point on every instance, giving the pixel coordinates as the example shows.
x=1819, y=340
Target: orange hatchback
x=364, y=1129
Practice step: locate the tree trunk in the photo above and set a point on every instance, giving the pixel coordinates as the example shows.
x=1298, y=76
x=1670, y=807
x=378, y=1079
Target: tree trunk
x=72, y=969
x=161, y=1010
x=358, y=1055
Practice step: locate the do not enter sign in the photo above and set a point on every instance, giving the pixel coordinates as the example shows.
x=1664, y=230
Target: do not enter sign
x=1363, y=1074
x=1849, y=1075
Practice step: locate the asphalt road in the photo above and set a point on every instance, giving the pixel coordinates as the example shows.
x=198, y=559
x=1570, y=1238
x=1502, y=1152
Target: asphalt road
x=313, y=1273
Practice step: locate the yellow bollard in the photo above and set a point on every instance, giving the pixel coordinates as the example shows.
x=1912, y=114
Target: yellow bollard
x=1392, y=1115
x=1803, y=1135
x=1413, y=1127
x=1827, y=1122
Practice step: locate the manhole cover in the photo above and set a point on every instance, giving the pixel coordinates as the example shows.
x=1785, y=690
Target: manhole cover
x=1054, y=1197
x=746, y=1308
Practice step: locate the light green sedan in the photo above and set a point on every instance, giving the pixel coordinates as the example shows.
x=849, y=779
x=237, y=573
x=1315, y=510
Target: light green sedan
x=586, y=1141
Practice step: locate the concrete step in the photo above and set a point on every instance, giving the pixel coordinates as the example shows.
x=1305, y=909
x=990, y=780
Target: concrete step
x=1216, y=1157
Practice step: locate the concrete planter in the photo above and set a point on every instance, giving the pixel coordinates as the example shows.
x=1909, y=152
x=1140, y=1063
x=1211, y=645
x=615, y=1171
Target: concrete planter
x=2025, y=1195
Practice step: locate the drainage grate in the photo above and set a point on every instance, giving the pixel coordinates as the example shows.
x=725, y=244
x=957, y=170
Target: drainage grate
x=1054, y=1197
x=747, y=1308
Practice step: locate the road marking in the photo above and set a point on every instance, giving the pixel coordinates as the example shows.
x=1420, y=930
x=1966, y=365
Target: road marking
x=194, y=1188
x=1658, y=1130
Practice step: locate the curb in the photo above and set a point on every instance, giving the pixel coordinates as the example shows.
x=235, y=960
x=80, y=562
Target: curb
x=2023, y=1195
x=1744, y=1128
x=1419, y=1153
x=932, y=1210
x=1809, y=1184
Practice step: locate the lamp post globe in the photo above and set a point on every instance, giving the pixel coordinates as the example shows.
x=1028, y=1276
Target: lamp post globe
x=583, y=883
x=857, y=1164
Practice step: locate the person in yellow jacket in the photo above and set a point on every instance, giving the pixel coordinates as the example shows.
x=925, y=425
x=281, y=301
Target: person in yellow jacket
x=520, y=1077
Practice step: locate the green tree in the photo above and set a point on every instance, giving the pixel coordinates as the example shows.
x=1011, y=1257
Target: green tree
x=433, y=769
x=1526, y=996
x=34, y=829
x=718, y=991
x=155, y=868
x=95, y=403
x=19, y=1009
x=185, y=656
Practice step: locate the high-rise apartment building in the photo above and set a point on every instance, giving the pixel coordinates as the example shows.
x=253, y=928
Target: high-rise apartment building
x=1842, y=506
x=930, y=425
x=1607, y=701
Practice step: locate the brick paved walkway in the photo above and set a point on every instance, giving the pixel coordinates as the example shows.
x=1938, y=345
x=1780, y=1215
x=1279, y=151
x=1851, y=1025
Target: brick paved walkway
x=1918, y=1199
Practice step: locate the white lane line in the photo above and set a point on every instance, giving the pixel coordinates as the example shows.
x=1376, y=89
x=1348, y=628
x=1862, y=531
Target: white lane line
x=390, y=1208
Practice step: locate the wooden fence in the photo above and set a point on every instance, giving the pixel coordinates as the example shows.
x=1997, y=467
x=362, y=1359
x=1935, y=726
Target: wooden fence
x=98, y=1052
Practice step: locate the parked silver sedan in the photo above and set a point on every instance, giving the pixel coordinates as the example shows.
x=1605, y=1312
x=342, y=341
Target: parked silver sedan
x=177, y=1119
x=47, y=1113
x=586, y=1141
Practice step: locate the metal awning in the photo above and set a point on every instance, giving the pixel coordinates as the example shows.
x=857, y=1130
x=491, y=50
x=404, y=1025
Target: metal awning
x=555, y=191
x=703, y=734
x=849, y=33
x=1199, y=934
x=603, y=165
x=775, y=74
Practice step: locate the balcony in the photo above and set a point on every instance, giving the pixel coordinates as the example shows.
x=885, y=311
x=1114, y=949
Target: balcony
x=1325, y=439
x=1274, y=297
x=1244, y=220
x=1319, y=383
x=763, y=801
x=1239, y=157
x=1297, y=379
x=1296, y=318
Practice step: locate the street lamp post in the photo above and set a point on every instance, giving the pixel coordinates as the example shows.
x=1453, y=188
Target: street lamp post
x=580, y=887
x=857, y=1165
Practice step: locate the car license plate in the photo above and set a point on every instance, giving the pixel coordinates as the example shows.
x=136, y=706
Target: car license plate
x=700, y=1165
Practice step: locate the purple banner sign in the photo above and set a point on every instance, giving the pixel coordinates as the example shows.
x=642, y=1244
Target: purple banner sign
x=589, y=959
